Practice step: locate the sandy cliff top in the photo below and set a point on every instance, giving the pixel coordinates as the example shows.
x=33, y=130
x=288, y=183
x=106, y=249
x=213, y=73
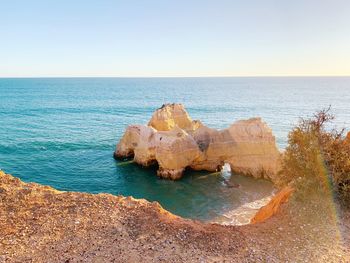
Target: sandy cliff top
x=41, y=224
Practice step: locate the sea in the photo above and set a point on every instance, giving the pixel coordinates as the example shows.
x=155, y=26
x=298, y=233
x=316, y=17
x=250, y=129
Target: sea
x=62, y=132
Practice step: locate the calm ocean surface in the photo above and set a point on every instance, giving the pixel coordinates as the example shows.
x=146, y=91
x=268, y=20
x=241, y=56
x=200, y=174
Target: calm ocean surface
x=62, y=132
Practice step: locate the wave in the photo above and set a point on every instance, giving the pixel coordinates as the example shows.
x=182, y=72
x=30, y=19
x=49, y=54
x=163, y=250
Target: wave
x=244, y=213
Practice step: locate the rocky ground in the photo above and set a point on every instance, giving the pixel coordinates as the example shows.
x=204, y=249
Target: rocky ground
x=40, y=224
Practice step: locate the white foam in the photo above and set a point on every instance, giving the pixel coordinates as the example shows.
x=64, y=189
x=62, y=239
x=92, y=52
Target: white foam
x=242, y=214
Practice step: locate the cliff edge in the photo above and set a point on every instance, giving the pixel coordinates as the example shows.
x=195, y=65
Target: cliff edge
x=41, y=224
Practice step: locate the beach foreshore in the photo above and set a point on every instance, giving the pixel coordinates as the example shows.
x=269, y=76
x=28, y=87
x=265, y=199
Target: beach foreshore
x=41, y=224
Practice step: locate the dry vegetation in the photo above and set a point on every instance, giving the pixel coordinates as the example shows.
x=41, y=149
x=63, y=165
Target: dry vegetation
x=317, y=159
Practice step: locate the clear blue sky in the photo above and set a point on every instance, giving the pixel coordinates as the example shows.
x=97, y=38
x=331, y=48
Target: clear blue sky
x=174, y=38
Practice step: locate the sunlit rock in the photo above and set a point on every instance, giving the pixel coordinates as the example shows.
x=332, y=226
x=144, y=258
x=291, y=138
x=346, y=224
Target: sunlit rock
x=273, y=206
x=138, y=142
x=347, y=138
x=175, y=150
x=175, y=142
x=171, y=115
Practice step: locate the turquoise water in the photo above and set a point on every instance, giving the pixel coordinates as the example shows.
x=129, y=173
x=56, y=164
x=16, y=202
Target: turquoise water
x=62, y=132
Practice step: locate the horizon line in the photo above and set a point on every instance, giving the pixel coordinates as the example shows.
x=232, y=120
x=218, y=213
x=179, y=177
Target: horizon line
x=213, y=76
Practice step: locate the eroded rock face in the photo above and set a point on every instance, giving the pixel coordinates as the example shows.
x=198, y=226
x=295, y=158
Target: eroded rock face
x=347, y=138
x=175, y=142
x=169, y=116
x=175, y=150
x=248, y=146
x=138, y=142
x=273, y=206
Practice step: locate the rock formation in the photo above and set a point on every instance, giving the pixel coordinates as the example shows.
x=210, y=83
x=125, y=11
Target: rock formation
x=175, y=142
x=171, y=115
x=273, y=206
x=347, y=138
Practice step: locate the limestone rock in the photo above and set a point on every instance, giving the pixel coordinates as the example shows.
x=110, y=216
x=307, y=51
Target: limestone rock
x=175, y=150
x=347, y=138
x=255, y=152
x=248, y=146
x=171, y=115
x=137, y=142
x=273, y=206
x=176, y=142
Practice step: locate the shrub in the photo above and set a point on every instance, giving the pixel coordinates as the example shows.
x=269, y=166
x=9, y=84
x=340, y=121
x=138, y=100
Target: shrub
x=317, y=158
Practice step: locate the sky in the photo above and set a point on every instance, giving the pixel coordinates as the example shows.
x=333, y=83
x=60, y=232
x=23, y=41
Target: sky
x=163, y=38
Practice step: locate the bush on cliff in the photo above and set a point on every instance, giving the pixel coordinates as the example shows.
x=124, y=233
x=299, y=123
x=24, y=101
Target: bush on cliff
x=317, y=159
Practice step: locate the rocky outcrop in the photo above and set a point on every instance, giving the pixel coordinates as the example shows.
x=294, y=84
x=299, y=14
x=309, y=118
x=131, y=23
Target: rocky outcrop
x=169, y=116
x=273, y=206
x=347, y=138
x=247, y=145
x=175, y=142
x=175, y=150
